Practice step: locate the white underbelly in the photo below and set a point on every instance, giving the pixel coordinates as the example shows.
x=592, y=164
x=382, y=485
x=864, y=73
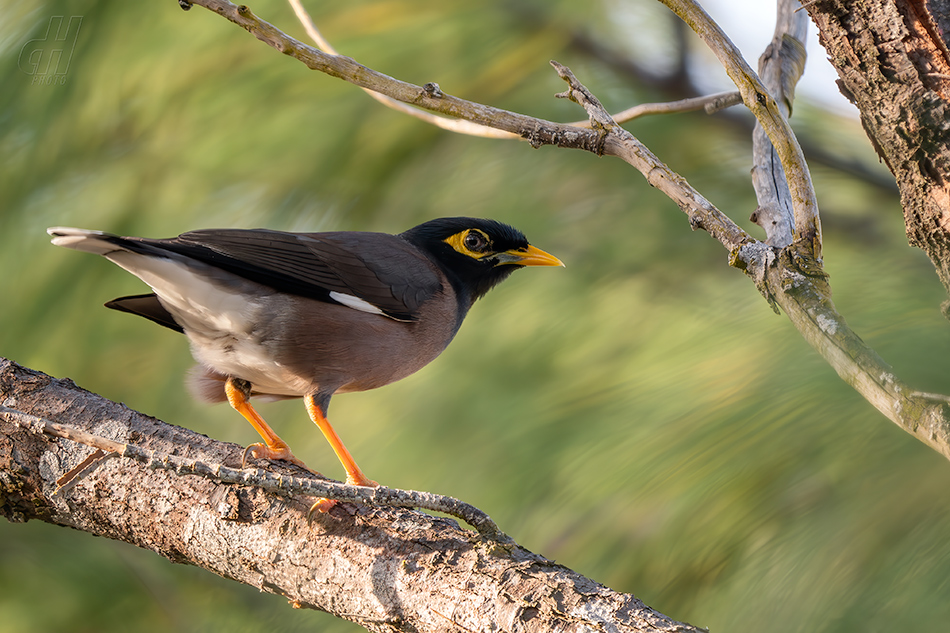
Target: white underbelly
x=224, y=326
x=245, y=359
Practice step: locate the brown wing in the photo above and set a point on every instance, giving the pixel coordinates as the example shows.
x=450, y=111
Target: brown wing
x=383, y=270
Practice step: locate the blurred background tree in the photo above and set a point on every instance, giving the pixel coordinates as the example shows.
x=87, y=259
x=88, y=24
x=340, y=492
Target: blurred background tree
x=641, y=416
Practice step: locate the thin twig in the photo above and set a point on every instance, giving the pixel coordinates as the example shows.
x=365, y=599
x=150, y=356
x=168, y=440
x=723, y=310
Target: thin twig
x=710, y=103
x=460, y=126
x=280, y=484
x=616, y=141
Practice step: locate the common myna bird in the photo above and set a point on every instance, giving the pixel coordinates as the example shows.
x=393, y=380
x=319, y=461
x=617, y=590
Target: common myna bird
x=290, y=315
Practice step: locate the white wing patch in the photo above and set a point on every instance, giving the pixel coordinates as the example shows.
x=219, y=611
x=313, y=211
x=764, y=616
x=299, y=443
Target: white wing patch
x=356, y=303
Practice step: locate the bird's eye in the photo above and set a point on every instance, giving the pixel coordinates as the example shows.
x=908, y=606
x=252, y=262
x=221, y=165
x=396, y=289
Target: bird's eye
x=475, y=241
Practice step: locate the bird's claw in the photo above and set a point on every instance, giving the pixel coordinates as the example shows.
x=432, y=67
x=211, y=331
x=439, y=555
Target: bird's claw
x=325, y=505
x=263, y=451
x=282, y=452
x=322, y=506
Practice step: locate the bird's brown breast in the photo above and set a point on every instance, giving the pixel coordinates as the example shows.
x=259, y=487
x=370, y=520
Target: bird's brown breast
x=291, y=346
x=343, y=349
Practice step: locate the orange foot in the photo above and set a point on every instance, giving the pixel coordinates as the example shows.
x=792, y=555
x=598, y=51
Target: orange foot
x=278, y=451
x=323, y=505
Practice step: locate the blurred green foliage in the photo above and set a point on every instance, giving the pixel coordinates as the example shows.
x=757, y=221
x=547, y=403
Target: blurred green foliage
x=641, y=416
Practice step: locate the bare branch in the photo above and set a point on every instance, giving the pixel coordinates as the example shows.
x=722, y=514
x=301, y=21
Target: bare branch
x=711, y=103
x=388, y=569
x=780, y=67
x=791, y=279
x=618, y=142
x=757, y=98
x=536, y=131
x=795, y=281
x=460, y=126
x=806, y=299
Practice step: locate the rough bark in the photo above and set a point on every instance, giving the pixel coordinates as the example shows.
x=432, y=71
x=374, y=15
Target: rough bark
x=388, y=569
x=893, y=64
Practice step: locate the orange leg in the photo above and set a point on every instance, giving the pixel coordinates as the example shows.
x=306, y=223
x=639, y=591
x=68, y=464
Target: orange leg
x=238, y=392
x=354, y=476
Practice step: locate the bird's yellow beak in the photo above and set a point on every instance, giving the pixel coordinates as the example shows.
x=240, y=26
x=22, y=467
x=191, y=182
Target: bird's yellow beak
x=529, y=256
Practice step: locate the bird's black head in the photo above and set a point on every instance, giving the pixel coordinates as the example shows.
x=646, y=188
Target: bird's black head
x=476, y=254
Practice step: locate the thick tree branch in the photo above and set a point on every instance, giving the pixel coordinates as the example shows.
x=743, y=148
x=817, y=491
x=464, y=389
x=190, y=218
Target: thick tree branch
x=387, y=569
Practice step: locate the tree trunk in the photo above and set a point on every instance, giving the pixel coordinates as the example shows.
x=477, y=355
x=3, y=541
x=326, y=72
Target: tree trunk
x=893, y=64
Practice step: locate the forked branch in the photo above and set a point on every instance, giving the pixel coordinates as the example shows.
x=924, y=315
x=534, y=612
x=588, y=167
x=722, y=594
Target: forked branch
x=710, y=103
x=763, y=106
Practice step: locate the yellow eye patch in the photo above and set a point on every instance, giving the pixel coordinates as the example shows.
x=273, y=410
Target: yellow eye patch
x=471, y=242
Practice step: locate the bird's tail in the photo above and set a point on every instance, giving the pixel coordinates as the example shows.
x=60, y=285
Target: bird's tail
x=85, y=240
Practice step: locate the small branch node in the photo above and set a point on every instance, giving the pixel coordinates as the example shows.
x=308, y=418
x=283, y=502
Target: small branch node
x=579, y=94
x=754, y=258
x=533, y=136
x=432, y=90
